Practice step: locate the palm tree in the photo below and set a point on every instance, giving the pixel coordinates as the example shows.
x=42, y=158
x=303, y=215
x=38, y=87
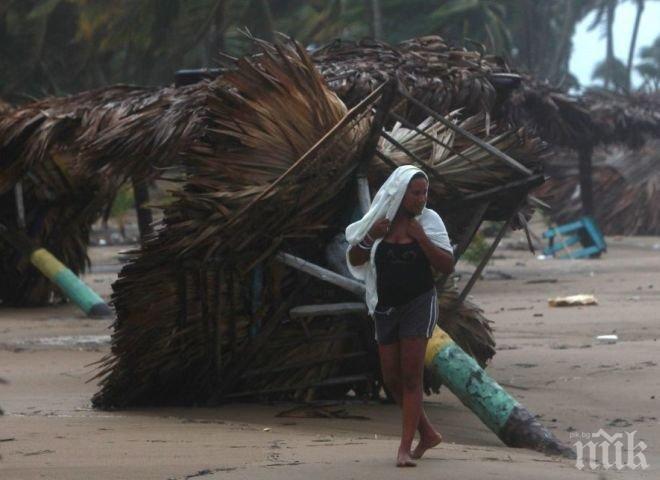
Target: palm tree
x=480, y=20
x=650, y=67
x=374, y=18
x=633, y=41
x=605, y=12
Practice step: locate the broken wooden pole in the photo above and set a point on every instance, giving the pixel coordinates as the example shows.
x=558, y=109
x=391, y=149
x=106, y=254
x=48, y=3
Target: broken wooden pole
x=144, y=217
x=586, y=183
x=321, y=273
x=20, y=205
x=328, y=309
x=474, y=139
x=71, y=286
x=364, y=196
x=500, y=412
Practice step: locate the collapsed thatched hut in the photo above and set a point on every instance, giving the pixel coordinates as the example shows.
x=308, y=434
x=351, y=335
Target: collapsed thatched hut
x=270, y=154
x=209, y=309
x=43, y=168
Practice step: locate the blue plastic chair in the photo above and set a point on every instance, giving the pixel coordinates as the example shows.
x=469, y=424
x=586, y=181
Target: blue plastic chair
x=584, y=230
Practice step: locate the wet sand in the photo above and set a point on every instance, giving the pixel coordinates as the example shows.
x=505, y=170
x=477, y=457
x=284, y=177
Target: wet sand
x=547, y=358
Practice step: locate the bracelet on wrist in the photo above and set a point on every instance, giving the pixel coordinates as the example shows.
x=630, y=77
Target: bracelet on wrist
x=364, y=247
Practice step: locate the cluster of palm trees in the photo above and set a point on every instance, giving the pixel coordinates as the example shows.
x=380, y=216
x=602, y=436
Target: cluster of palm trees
x=62, y=46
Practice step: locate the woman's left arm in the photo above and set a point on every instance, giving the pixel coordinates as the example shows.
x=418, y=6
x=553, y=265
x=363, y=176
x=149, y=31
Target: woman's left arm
x=440, y=259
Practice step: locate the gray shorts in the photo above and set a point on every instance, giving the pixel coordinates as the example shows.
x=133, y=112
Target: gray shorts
x=413, y=319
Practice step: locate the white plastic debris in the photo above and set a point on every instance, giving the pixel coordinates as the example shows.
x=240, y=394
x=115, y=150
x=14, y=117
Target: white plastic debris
x=607, y=339
x=573, y=301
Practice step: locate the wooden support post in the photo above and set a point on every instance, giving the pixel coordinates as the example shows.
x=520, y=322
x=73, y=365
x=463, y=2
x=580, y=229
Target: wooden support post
x=464, y=242
x=484, y=261
x=328, y=309
x=586, y=184
x=141, y=197
x=364, y=196
x=382, y=109
x=500, y=412
x=20, y=205
x=321, y=273
x=526, y=183
x=71, y=286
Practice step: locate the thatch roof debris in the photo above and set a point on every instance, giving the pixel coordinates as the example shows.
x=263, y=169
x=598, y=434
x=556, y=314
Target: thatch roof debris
x=626, y=189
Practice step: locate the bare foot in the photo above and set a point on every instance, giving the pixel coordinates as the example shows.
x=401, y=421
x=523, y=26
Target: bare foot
x=403, y=459
x=426, y=443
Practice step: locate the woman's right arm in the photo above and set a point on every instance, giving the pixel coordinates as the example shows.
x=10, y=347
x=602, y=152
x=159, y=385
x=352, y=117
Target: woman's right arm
x=358, y=255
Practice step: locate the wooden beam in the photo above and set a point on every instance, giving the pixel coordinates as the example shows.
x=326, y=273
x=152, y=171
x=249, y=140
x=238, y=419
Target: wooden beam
x=477, y=141
x=321, y=273
x=141, y=197
x=427, y=168
x=408, y=124
x=486, y=258
x=364, y=196
x=586, y=183
x=20, y=205
x=327, y=309
x=466, y=239
x=489, y=194
x=382, y=109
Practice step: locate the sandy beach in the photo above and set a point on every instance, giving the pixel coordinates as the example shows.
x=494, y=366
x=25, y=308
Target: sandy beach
x=548, y=358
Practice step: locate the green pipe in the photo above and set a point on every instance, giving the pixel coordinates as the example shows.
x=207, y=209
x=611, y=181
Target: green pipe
x=504, y=415
x=74, y=288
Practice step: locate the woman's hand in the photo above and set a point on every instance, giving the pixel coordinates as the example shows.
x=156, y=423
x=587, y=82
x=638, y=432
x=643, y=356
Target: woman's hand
x=380, y=228
x=415, y=230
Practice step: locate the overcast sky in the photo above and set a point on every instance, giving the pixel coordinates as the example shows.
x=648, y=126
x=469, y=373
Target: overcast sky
x=589, y=48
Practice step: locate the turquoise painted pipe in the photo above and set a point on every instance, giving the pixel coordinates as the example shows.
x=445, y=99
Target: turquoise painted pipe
x=504, y=415
x=74, y=288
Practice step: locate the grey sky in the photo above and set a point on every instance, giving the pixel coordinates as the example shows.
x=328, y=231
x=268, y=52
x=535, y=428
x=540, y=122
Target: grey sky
x=589, y=47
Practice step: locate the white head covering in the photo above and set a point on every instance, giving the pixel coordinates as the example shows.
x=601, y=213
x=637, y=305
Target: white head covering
x=385, y=205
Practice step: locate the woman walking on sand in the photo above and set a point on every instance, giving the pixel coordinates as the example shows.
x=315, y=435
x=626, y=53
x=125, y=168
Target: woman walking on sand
x=394, y=249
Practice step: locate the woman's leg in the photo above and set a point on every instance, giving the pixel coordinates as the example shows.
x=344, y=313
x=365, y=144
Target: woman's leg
x=390, y=362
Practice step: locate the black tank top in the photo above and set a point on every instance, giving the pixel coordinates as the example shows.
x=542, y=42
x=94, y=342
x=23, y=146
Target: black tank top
x=402, y=273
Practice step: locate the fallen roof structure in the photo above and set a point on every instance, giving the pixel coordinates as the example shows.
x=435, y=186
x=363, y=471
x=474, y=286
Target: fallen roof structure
x=64, y=159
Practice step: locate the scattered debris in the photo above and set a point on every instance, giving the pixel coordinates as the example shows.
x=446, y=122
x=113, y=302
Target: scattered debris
x=319, y=411
x=573, y=300
x=619, y=422
x=40, y=452
x=542, y=280
x=607, y=339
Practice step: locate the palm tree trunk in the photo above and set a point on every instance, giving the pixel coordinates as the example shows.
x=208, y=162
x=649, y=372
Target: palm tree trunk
x=633, y=42
x=611, y=6
x=374, y=18
x=268, y=26
x=554, y=72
